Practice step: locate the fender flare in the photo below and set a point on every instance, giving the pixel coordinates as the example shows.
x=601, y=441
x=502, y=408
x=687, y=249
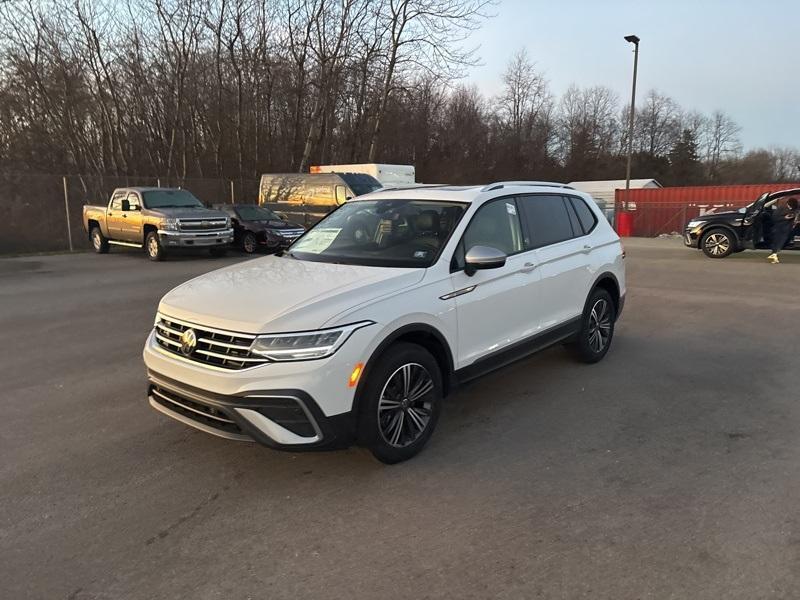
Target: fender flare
x=387, y=341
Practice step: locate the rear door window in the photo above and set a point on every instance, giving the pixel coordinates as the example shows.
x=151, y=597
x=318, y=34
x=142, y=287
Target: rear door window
x=546, y=219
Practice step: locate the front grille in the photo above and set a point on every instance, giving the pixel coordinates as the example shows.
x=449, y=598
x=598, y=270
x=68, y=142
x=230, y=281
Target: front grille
x=292, y=234
x=202, y=224
x=213, y=347
x=196, y=411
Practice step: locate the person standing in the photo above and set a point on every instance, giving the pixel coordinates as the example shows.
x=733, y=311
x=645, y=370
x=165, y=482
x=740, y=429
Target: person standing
x=784, y=216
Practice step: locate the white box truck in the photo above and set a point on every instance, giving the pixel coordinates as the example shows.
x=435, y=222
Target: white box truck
x=388, y=175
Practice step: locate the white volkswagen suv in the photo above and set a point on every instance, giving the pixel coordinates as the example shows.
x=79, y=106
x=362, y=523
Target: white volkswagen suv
x=358, y=332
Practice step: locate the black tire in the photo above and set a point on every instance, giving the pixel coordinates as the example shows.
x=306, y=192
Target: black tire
x=152, y=245
x=597, y=328
x=218, y=252
x=249, y=243
x=718, y=243
x=99, y=241
x=393, y=424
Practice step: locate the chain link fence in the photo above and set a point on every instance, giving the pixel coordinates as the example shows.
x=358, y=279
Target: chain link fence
x=44, y=213
x=651, y=219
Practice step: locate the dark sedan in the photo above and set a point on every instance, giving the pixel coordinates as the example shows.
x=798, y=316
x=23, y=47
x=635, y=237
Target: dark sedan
x=720, y=234
x=257, y=227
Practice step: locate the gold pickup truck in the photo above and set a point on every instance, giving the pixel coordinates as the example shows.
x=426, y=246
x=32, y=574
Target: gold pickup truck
x=157, y=219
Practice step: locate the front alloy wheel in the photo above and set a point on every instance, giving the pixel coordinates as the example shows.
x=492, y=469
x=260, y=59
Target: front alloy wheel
x=400, y=402
x=249, y=243
x=404, y=408
x=717, y=244
x=152, y=244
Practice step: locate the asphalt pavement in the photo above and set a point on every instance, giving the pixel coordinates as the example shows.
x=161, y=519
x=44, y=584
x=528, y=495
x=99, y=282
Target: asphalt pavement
x=669, y=470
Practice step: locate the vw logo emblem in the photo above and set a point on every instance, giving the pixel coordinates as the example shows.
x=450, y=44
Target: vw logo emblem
x=188, y=341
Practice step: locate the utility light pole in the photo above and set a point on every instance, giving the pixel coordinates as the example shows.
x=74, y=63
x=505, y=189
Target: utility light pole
x=635, y=41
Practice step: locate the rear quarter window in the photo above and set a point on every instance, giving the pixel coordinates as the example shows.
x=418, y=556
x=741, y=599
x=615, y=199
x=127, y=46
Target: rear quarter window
x=585, y=214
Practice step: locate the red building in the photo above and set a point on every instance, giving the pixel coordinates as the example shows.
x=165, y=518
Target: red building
x=666, y=210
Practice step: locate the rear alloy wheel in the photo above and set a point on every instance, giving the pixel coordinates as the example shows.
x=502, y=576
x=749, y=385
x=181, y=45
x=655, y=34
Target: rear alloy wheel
x=401, y=403
x=597, y=328
x=249, y=243
x=99, y=241
x=717, y=243
x=152, y=246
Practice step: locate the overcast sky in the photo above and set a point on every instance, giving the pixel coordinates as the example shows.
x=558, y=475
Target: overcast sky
x=742, y=57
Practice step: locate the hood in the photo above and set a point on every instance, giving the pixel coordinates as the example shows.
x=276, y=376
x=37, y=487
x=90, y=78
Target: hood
x=281, y=294
x=273, y=224
x=727, y=215
x=189, y=212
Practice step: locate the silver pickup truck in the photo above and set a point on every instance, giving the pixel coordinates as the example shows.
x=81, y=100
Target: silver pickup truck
x=158, y=220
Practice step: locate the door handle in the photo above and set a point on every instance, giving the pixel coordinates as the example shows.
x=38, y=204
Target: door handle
x=527, y=267
x=587, y=248
x=124, y=216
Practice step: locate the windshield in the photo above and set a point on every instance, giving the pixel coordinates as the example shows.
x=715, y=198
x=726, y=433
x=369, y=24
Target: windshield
x=361, y=183
x=170, y=199
x=384, y=233
x=256, y=213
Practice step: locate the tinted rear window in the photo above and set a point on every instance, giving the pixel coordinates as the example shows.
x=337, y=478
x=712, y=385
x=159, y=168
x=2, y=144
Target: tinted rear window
x=361, y=183
x=547, y=219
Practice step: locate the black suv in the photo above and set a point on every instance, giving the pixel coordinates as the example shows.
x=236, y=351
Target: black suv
x=257, y=227
x=720, y=234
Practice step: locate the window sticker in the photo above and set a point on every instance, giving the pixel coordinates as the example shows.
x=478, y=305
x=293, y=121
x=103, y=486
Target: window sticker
x=511, y=209
x=421, y=254
x=318, y=241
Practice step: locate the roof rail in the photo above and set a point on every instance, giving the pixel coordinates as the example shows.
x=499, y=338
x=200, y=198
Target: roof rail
x=501, y=184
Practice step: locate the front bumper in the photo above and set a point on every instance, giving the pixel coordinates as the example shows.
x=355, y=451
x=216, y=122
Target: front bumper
x=284, y=405
x=281, y=419
x=183, y=239
x=691, y=237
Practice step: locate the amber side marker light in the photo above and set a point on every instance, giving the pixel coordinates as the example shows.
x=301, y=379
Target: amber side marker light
x=355, y=375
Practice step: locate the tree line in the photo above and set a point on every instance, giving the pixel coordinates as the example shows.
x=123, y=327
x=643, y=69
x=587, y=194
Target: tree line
x=236, y=88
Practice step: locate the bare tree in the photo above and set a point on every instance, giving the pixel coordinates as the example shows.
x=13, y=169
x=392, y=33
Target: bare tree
x=658, y=124
x=425, y=34
x=721, y=141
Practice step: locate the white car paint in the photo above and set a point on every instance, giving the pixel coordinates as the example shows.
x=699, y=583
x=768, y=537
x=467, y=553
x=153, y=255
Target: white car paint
x=536, y=290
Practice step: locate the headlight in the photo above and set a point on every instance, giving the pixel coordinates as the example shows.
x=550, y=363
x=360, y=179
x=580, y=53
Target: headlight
x=169, y=224
x=306, y=345
x=693, y=224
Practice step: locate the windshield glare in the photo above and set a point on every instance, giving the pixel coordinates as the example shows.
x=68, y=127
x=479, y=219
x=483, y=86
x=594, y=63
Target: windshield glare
x=170, y=199
x=387, y=233
x=256, y=213
x=361, y=183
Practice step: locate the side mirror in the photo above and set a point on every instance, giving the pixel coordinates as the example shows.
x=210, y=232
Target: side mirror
x=483, y=257
x=126, y=205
